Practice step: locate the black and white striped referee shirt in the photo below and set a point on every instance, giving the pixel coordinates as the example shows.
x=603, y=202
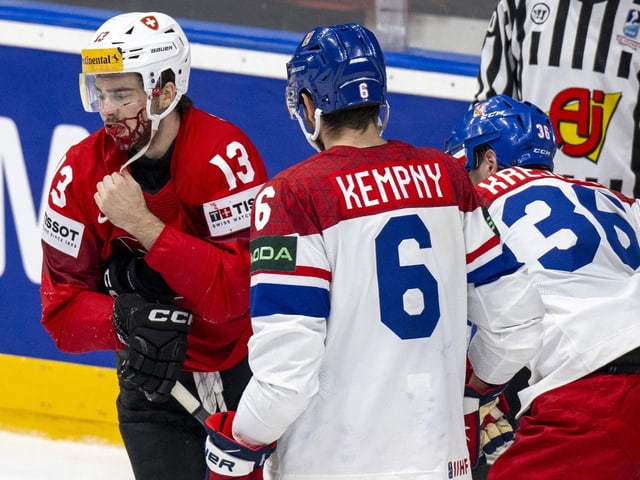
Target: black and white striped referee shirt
x=579, y=60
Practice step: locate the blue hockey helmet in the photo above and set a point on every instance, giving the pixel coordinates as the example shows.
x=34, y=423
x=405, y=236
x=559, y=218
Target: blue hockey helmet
x=340, y=67
x=520, y=133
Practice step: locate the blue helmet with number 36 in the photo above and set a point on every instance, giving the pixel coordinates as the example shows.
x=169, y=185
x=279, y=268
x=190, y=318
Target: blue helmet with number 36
x=520, y=133
x=340, y=67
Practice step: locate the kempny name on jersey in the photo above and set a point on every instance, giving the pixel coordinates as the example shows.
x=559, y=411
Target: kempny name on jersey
x=398, y=184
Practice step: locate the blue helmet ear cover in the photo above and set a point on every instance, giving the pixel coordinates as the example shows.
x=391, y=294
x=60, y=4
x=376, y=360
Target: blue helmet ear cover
x=340, y=67
x=520, y=133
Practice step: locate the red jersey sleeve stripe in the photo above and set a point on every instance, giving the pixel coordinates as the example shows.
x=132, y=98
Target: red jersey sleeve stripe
x=484, y=248
x=305, y=271
x=302, y=271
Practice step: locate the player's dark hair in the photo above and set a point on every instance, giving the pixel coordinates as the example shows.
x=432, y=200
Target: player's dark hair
x=185, y=102
x=478, y=153
x=353, y=118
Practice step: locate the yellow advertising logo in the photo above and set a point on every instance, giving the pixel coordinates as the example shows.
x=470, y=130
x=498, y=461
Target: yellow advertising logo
x=101, y=60
x=581, y=119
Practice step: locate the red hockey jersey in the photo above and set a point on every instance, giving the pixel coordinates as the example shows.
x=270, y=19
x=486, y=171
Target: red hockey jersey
x=202, y=253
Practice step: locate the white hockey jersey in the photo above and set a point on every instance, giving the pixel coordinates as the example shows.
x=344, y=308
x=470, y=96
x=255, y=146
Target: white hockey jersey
x=580, y=62
x=362, y=264
x=581, y=243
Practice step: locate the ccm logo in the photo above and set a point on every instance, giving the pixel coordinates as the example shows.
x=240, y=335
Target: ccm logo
x=174, y=316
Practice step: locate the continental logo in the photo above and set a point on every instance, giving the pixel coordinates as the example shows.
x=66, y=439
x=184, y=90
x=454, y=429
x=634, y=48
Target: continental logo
x=274, y=254
x=101, y=60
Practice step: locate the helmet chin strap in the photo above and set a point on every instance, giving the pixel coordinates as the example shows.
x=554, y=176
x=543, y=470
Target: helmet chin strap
x=311, y=137
x=382, y=124
x=155, y=124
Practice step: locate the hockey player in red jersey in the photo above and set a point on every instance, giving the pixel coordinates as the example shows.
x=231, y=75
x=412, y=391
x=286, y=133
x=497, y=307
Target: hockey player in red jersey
x=367, y=259
x=146, y=242
x=581, y=243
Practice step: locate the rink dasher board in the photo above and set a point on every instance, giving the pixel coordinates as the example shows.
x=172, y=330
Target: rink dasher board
x=238, y=74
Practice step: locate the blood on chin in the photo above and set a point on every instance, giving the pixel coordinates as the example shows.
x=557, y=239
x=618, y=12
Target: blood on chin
x=127, y=138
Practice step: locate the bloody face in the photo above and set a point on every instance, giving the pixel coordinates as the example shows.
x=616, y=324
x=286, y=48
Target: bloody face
x=123, y=109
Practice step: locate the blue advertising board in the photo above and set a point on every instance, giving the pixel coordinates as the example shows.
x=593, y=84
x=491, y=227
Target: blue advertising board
x=238, y=74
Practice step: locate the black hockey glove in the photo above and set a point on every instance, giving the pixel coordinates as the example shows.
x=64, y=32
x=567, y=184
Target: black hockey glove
x=156, y=339
x=127, y=274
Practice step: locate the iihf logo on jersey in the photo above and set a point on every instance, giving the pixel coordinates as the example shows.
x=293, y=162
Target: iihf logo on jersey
x=458, y=467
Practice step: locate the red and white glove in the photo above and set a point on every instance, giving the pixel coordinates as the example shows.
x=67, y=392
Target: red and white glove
x=489, y=429
x=226, y=458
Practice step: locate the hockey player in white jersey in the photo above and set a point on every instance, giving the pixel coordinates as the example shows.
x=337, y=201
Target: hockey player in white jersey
x=367, y=259
x=581, y=243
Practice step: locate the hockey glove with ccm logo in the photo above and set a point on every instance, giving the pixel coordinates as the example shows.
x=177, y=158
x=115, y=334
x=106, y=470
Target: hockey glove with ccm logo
x=130, y=274
x=156, y=339
x=226, y=458
x=489, y=430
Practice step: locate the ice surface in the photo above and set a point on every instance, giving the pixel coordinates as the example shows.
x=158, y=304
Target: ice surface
x=32, y=457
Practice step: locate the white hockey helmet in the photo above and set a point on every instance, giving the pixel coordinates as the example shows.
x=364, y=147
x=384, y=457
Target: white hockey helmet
x=147, y=43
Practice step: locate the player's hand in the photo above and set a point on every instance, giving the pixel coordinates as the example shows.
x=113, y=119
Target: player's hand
x=156, y=339
x=481, y=417
x=119, y=197
x=121, y=200
x=226, y=458
x=497, y=431
x=131, y=274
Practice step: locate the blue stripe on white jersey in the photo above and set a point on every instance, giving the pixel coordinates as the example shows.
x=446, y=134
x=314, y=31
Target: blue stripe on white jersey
x=486, y=261
x=500, y=266
x=271, y=299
